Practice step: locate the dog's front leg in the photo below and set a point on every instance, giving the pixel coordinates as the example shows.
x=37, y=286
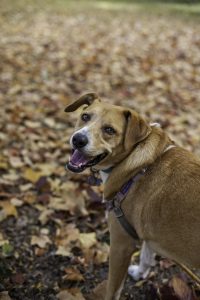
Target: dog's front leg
x=121, y=249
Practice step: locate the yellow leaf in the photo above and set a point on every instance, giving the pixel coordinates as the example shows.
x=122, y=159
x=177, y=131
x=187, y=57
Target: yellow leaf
x=87, y=240
x=3, y=165
x=8, y=208
x=31, y=175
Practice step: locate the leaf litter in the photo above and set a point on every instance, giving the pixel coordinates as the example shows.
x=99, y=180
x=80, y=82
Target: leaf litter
x=54, y=240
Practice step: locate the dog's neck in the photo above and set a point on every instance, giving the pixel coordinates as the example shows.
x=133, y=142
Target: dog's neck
x=144, y=155
x=105, y=173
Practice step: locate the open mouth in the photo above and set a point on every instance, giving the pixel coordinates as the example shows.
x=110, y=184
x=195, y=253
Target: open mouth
x=79, y=161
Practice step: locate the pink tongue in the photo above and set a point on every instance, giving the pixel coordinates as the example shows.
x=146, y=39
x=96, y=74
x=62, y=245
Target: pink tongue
x=78, y=158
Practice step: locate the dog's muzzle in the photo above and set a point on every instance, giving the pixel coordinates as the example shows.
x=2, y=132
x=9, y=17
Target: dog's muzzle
x=79, y=161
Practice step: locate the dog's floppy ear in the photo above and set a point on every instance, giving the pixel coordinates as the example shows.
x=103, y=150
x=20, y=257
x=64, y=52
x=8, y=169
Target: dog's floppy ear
x=87, y=99
x=136, y=129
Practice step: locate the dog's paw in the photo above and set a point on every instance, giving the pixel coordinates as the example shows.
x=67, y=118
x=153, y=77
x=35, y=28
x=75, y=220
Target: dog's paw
x=135, y=272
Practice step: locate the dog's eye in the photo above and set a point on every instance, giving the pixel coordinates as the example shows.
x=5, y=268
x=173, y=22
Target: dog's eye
x=85, y=117
x=109, y=130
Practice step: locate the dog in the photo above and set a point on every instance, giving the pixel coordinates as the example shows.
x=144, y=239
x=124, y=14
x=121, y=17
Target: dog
x=162, y=206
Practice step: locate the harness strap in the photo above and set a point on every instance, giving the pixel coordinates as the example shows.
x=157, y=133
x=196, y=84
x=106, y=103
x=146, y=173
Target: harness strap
x=115, y=205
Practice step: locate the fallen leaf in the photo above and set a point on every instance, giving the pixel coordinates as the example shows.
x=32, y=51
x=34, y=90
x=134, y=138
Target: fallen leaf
x=2, y=240
x=16, y=162
x=63, y=251
x=40, y=241
x=5, y=296
x=31, y=175
x=16, y=202
x=44, y=216
x=181, y=289
x=87, y=240
x=73, y=274
x=26, y=187
x=166, y=263
x=8, y=208
x=65, y=295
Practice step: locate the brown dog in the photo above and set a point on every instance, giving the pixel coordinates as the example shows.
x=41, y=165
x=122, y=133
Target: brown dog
x=163, y=205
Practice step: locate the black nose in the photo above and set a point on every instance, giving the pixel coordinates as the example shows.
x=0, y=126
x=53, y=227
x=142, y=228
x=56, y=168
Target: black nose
x=79, y=140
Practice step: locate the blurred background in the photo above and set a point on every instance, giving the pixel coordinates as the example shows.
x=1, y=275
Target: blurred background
x=54, y=240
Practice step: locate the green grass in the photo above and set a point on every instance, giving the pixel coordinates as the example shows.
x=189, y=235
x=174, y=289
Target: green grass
x=189, y=9
x=168, y=7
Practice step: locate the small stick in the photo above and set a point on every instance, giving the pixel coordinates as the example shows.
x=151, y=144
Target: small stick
x=195, y=277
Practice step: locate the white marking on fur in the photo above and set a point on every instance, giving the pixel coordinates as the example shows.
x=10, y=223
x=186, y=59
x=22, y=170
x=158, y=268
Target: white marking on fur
x=104, y=176
x=83, y=130
x=155, y=125
x=168, y=148
x=147, y=260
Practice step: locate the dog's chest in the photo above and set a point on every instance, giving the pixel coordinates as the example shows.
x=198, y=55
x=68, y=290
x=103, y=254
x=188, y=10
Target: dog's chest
x=104, y=176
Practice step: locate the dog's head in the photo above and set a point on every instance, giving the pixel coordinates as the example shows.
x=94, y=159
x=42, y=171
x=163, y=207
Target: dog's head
x=104, y=135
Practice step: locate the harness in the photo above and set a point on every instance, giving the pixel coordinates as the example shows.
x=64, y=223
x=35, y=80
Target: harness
x=115, y=206
x=115, y=203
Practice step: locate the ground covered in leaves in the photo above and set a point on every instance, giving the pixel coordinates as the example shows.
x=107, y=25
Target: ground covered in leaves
x=54, y=240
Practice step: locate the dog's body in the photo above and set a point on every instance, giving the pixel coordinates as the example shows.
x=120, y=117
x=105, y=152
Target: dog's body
x=163, y=205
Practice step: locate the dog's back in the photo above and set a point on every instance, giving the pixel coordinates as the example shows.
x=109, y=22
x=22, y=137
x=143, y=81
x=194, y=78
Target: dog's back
x=172, y=210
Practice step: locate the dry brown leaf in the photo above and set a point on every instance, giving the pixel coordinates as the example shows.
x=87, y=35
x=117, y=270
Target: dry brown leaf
x=25, y=187
x=181, y=289
x=16, y=202
x=98, y=254
x=102, y=253
x=8, y=208
x=42, y=241
x=73, y=274
x=4, y=296
x=63, y=251
x=29, y=198
x=67, y=234
x=16, y=162
x=45, y=216
x=65, y=295
x=11, y=176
